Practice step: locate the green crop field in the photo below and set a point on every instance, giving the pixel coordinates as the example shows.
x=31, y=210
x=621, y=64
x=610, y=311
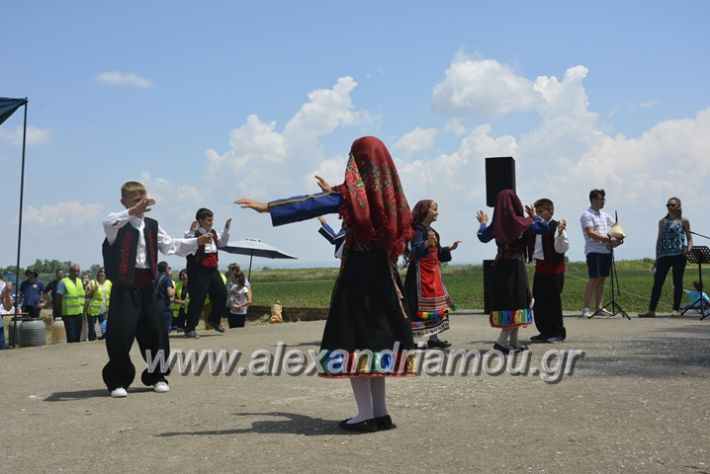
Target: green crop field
x=312, y=287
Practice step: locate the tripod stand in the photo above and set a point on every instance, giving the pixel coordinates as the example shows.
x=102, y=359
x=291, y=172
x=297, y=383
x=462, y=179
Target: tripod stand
x=615, y=307
x=699, y=255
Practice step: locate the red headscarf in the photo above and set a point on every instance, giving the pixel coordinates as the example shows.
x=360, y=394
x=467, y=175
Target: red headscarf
x=375, y=208
x=509, y=221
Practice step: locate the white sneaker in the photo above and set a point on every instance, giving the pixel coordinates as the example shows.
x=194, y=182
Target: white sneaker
x=675, y=313
x=603, y=312
x=119, y=392
x=161, y=387
x=586, y=313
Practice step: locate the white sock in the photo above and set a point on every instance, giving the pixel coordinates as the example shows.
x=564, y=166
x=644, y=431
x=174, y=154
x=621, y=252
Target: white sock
x=379, y=402
x=503, y=338
x=514, y=337
x=363, y=399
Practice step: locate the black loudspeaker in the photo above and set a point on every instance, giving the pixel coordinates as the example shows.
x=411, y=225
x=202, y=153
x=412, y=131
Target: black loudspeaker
x=500, y=174
x=487, y=285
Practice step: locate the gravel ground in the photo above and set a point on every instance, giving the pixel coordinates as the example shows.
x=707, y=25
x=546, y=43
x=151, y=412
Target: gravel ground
x=637, y=401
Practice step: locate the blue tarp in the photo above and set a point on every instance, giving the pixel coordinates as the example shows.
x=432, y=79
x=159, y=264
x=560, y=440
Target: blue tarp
x=8, y=107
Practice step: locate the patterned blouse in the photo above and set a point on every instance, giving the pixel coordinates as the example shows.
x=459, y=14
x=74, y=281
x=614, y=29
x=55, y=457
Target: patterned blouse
x=672, y=239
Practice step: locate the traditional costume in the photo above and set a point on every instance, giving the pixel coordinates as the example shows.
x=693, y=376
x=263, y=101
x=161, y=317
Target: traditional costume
x=510, y=298
x=130, y=253
x=429, y=302
x=367, y=309
x=548, y=250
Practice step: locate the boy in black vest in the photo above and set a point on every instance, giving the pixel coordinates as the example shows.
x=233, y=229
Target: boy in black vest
x=548, y=250
x=130, y=253
x=203, y=274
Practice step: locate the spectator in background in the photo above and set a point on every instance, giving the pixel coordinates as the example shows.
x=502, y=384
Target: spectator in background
x=180, y=302
x=673, y=233
x=70, y=293
x=51, y=287
x=596, y=225
x=99, y=293
x=238, y=299
x=5, y=307
x=234, y=269
x=31, y=294
x=165, y=292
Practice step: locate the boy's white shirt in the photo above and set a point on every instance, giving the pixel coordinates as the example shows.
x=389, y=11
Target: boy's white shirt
x=561, y=244
x=166, y=244
x=221, y=241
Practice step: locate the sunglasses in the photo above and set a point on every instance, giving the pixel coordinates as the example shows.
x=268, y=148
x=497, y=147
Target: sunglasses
x=671, y=205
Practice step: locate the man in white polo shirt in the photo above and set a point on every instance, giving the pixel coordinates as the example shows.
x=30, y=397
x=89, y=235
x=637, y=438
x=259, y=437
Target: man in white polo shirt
x=596, y=225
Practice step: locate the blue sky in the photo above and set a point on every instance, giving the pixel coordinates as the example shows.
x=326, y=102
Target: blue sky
x=210, y=102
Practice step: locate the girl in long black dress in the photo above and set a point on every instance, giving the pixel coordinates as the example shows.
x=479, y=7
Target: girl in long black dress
x=511, y=299
x=367, y=310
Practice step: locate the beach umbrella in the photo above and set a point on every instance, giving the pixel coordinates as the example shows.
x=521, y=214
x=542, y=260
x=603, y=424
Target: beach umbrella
x=254, y=248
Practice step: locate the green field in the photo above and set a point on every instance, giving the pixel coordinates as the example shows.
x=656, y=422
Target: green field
x=312, y=287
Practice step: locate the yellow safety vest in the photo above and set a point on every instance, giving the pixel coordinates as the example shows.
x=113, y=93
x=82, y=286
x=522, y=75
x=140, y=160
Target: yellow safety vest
x=224, y=280
x=97, y=299
x=73, y=299
x=178, y=291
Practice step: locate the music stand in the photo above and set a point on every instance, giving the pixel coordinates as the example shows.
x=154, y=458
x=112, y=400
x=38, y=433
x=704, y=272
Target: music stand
x=616, y=308
x=699, y=255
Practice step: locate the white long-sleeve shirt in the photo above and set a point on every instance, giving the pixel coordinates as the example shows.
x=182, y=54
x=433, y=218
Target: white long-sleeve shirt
x=561, y=244
x=221, y=241
x=166, y=244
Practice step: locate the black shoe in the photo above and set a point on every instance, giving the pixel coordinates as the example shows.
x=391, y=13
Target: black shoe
x=555, y=339
x=520, y=348
x=217, y=327
x=540, y=338
x=385, y=423
x=503, y=349
x=191, y=334
x=366, y=426
x=438, y=343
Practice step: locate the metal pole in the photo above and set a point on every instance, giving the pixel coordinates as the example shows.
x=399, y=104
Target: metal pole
x=251, y=255
x=19, y=227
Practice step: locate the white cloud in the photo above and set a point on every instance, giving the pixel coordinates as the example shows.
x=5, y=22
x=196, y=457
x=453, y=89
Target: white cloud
x=117, y=78
x=647, y=104
x=253, y=141
x=256, y=144
x=452, y=178
x=330, y=170
x=63, y=213
x=415, y=141
x=175, y=204
x=326, y=110
x=35, y=136
x=455, y=126
x=568, y=127
x=482, y=87
x=562, y=154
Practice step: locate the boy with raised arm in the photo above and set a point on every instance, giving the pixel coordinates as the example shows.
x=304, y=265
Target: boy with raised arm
x=130, y=253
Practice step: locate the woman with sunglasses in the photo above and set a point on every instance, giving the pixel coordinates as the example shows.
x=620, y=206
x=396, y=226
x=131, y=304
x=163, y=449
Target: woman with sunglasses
x=673, y=231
